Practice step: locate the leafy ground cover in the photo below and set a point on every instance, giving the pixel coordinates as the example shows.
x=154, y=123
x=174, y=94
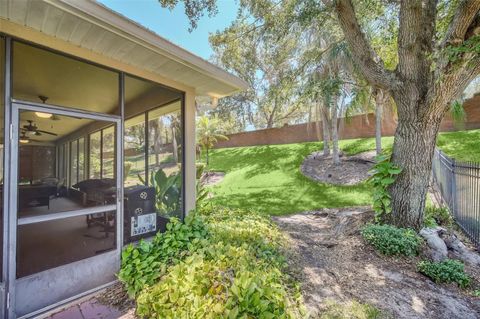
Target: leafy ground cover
x=390, y=240
x=448, y=271
x=220, y=263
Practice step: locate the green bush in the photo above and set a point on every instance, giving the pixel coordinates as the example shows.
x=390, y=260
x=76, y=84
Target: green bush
x=390, y=240
x=235, y=270
x=437, y=216
x=142, y=265
x=447, y=271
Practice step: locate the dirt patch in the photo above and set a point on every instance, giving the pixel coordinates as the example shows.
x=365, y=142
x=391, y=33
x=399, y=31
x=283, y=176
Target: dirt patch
x=212, y=178
x=351, y=170
x=115, y=296
x=335, y=264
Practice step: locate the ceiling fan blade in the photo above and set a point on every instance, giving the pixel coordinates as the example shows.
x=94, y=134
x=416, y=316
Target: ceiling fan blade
x=47, y=132
x=37, y=133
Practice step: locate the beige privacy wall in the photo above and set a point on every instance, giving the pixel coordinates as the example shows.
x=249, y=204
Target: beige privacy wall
x=355, y=127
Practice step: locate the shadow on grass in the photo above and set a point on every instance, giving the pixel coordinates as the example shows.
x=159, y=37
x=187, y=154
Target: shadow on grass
x=268, y=179
x=291, y=199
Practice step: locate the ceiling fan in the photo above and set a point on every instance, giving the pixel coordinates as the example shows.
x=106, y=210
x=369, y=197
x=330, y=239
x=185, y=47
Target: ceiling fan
x=32, y=128
x=24, y=139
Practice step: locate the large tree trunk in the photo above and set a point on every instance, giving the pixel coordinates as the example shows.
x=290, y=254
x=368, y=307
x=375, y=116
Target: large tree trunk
x=421, y=95
x=413, y=148
x=379, y=106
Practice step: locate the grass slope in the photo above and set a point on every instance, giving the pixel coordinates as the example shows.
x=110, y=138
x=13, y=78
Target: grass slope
x=267, y=178
x=463, y=146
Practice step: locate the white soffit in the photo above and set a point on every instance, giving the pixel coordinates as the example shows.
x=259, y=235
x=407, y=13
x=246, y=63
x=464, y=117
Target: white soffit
x=92, y=26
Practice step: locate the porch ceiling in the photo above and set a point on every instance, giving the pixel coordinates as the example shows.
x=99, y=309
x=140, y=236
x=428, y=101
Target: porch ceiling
x=92, y=26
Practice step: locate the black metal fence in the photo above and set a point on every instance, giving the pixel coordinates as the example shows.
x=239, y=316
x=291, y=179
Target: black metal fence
x=459, y=185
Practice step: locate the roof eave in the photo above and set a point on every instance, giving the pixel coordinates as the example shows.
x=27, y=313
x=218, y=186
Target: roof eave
x=127, y=28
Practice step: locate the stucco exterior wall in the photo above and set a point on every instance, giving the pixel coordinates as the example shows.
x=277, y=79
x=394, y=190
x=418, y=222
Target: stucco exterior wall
x=356, y=127
x=190, y=171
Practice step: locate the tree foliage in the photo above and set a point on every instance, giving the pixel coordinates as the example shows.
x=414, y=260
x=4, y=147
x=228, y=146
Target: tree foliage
x=261, y=54
x=208, y=134
x=422, y=53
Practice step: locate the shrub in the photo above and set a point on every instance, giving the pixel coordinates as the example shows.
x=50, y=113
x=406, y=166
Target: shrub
x=235, y=270
x=384, y=174
x=143, y=264
x=390, y=240
x=446, y=271
x=437, y=216
x=227, y=282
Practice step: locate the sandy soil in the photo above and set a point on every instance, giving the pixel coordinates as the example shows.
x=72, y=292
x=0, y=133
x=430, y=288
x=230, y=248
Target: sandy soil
x=352, y=169
x=335, y=264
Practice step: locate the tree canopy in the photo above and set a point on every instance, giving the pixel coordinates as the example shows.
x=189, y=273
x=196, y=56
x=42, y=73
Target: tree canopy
x=423, y=53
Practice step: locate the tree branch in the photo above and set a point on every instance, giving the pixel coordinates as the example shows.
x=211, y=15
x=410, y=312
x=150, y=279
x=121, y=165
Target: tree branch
x=463, y=18
x=415, y=39
x=362, y=53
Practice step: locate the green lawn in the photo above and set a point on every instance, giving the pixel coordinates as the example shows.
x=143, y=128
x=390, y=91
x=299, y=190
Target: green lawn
x=463, y=146
x=267, y=178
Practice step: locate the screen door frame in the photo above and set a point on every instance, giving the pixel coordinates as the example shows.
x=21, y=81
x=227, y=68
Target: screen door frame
x=27, y=295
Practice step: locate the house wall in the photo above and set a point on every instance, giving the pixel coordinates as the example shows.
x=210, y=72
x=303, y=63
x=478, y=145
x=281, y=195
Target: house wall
x=190, y=152
x=360, y=126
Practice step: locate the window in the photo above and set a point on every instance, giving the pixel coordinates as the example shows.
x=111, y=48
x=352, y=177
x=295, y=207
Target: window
x=165, y=151
x=108, y=152
x=135, y=165
x=61, y=159
x=153, y=141
x=102, y=154
x=77, y=161
x=73, y=162
x=81, y=159
x=95, y=155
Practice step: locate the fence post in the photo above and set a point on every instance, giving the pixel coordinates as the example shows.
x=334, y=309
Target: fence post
x=454, y=190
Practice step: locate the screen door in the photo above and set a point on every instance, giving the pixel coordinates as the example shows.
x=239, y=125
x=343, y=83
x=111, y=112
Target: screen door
x=65, y=205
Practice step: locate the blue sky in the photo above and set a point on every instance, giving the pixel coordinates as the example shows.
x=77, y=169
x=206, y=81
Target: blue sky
x=173, y=25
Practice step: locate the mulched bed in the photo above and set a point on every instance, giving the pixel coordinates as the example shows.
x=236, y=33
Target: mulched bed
x=351, y=170
x=334, y=263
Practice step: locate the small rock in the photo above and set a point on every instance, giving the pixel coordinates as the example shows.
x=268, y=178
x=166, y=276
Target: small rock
x=460, y=251
x=438, y=249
